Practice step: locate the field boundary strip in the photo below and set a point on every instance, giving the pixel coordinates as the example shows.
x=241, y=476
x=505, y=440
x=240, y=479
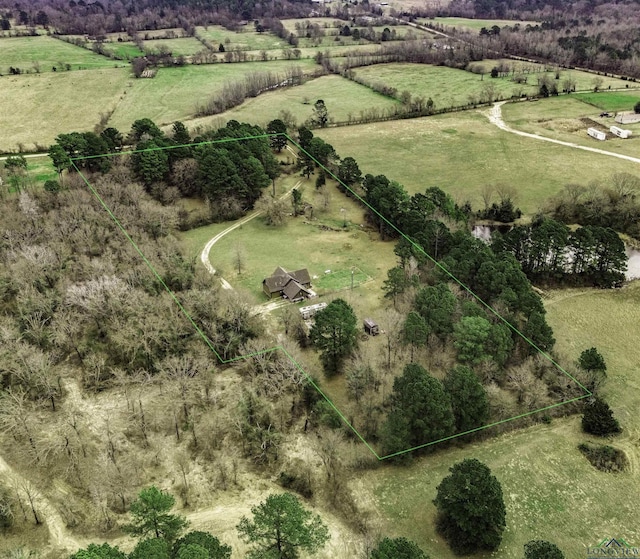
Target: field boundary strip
x=281, y=348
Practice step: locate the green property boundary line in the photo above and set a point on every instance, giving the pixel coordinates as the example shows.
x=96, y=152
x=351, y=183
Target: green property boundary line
x=280, y=348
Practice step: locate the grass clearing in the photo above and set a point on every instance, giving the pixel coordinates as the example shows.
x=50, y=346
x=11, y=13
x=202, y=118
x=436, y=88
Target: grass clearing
x=36, y=108
x=319, y=244
x=175, y=93
x=341, y=96
x=43, y=52
x=463, y=152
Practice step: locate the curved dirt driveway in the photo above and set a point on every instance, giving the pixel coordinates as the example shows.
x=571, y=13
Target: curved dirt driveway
x=204, y=255
x=495, y=117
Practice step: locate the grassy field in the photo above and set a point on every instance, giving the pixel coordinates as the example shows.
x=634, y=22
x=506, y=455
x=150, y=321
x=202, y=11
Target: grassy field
x=450, y=87
x=611, y=100
x=183, y=46
x=124, y=50
x=341, y=96
x=246, y=40
x=175, y=93
x=476, y=24
x=308, y=246
x=25, y=52
x=560, y=118
x=463, y=152
x=36, y=108
x=550, y=489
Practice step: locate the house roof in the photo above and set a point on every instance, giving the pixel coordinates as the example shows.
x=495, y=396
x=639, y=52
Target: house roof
x=281, y=278
x=292, y=289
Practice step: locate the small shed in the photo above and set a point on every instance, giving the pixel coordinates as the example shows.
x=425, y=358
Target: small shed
x=620, y=132
x=371, y=327
x=597, y=134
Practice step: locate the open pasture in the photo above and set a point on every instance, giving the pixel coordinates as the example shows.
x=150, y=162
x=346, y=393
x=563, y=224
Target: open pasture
x=475, y=24
x=550, y=489
x=341, y=96
x=45, y=53
x=183, y=46
x=247, y=39
x=462, y=153
x=123, y=50
x=447, y=87
x=175, y=93
x=561, y=118
x=65, y=102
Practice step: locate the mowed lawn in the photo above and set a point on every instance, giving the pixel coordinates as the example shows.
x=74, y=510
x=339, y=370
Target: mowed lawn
x=175, y=93
x=462, y=153
x=550, y=490
x=24, y=52
x=560, y=118
x=342, y=98
x=36, y=108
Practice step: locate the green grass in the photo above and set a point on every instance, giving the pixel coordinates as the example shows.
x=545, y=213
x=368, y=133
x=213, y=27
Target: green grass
x=182, y=46
x=326, y=23
x=341, y=96
x=248, y=39
x=175, y=93
x=24, y=52
x=476, y=24
x=341, y=279
x=463, y=152
x=124, y=50
x=447, y=87
x=451, y=87
x=39, y=107
x=41, y=169
x=612, y=101
x=308, y=246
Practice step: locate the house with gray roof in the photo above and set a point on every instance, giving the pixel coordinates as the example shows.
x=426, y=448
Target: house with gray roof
x=294, y=286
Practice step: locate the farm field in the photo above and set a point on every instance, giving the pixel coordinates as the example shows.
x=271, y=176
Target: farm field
x=248, y=39
x=341, y=96
x=67, y=102
x=611, y=100
x=474, y=24
x=182, y=46
x=560, y=118
x=462, y=152
x=124, y=50
x=449, y=87
x=550, y=489
x=27, y=52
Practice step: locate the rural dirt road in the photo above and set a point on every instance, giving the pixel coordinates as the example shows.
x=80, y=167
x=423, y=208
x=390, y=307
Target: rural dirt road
x=495, y=117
